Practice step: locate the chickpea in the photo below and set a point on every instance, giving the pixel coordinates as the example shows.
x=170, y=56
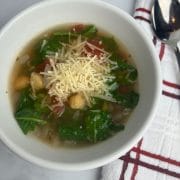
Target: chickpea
x=36, y=81
x=77, y=101
x=21, y=82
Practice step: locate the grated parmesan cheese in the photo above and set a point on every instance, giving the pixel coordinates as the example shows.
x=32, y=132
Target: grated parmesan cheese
x=74, y=70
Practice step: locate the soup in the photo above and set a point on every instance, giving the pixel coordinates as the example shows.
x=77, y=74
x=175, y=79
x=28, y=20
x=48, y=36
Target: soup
x=73, y=84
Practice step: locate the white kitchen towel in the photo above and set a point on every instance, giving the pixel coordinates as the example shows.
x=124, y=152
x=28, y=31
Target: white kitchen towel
x=157, y=155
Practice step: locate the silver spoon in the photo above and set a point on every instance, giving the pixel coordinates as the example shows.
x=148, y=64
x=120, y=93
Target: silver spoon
x=166, y=23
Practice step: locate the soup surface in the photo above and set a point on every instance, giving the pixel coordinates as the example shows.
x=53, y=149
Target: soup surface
x=73, y=84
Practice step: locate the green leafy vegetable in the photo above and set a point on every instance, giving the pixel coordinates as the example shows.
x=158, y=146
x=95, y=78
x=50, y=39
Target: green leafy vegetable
x=38, y=106
x=28, y=119
x=115, y=57
x=125, y=78
x=101, y=104
x=132, y=75
x=65, y=37
x=125, y=73
x=49, y=45
x=131, y=70
x=53, y=43
x=117, y=127
x=72, y=130
x=110, y=44
x=113, y=86
x=70, y=126
x=90, y=31
x=128, y=100
x=123, y=65
x=30, y=111
x=25, y=100
x=97, y=125
x=97, y=103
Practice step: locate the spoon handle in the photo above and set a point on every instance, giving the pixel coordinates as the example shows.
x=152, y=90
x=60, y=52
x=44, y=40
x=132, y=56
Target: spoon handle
x=177, y=52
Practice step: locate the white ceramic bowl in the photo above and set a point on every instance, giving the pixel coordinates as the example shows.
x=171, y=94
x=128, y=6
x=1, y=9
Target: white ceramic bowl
x=22, y=28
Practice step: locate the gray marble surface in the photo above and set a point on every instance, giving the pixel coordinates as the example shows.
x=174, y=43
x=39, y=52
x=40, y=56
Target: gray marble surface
x=13, y=167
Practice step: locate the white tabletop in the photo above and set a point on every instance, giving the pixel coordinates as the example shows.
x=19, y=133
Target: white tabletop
x=13, y=167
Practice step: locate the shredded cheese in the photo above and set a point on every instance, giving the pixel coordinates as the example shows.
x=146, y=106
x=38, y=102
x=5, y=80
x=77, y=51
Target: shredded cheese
x=72, y=69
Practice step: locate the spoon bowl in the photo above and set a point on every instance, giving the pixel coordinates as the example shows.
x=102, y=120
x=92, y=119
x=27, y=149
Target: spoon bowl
x=166, y=23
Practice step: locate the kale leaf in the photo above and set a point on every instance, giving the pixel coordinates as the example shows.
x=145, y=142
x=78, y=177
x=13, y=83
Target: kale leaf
x=28, y=119
x=30, y=111
x=89, y=31
x=128, y=100
x=126, y=74
x=25, y=100
x=70, y=126
x=130, y=69
x=51, y=44
x=109, y=44
x=72, y=130
x=117, y=127
x=97, y=125
x=38, y=106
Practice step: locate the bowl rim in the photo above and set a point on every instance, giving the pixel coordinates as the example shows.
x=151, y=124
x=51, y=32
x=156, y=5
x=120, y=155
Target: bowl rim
x=114, y=155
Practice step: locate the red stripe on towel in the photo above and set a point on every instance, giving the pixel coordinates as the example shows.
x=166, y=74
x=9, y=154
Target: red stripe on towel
x=161, y=52
x=125, y=166
x=142, y=18
x=143, y=10
x=150, y=166
x=170, y=84
x=157, y=156
x=172, y=95
x=135, y=168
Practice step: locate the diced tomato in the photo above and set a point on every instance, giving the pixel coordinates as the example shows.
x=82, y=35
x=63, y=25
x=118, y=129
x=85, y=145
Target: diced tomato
x=54, y=100
x=78, y=28
x=58, y=110
x=39, y=68
x=125, y=89
x=97, y=43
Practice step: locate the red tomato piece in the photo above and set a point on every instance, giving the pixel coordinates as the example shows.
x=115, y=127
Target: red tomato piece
x=78, y=28
x=54, y=100
x=39, y=68
x=97, y=43
x=125, y=89
x=58, y=110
